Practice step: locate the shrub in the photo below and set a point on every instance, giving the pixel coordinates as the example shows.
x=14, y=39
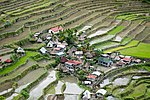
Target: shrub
x=59, y=75
x=19, y=97
x=25, y=93
x=2, y=98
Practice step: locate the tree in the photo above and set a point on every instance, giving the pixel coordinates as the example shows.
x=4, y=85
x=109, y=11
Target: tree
x=2, y=98
x=25, y=93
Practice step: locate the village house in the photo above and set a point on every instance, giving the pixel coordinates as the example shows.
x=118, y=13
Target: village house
x=64, y=43
x=72, y=64
x=86, y=66
x=43, y=50
x=63, y=59
x=39, y=40
x=120, y=63
x=37, y=34
x=50, y=44
x=57, y=51
x=105, y=61
x=46, y=36
x=91, y=77
x=79, y=53
x=101, y=92
x=20, y=50
x=82, y=37
x=8, y=61
x=56, y=29
x=71, y=51
x=88, y=55
x=127, y=60
x=137, y=61
x=86, y=95
x=87, y=82
x=61, y=46
x=97, y=73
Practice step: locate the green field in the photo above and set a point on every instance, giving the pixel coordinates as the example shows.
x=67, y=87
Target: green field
x=116, y=30
x=142, y=50
x=19, y=62
x=131, y=44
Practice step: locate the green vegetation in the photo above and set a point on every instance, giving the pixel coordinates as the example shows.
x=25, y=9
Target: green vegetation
x=116, y=30
x=2, y=98
x=136, y=88
x=130, y=16
x=131, y=44
x=142, y=50
x=51, y=90
x=106, y=45
x=125, y=40
x=25, y=93
x=19, y=62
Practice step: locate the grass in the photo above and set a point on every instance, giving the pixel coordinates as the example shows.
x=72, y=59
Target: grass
x=148, y=93
x=128, y=17
x=142, y=50
x=147, y=68
x=131, y=44
x=116, y=30
x=125, y=40
x=51, y=90
x=107, y=44
x=132, y=17
x=138, y=91
x=27, y=10
x=18, y=63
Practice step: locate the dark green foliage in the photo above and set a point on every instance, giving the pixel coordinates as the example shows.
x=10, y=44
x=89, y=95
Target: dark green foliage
x=59, y=75
x=25, y=93
x=2, y=98
x=14, y=57
x=57, y=60
x=82, y=75
x=147, y=1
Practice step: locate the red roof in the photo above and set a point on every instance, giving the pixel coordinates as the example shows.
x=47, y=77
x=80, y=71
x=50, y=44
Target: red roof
x=126, y=59
x=74, y=62
x=63, y=59
x=8, y=61
x=120, y=63
x=91, y=76
x=56, y=29
x=57, y=49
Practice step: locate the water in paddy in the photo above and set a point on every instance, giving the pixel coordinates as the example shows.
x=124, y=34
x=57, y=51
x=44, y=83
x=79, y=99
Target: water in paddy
x=58, y=87
x=121, y=81
x=38, y=90
x=72, y=90
x=105, y=82
x=26, y=80
x=111, y=98
x=17, y=91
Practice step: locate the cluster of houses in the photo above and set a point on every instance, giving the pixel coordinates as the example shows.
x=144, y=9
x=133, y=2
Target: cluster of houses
x=116, y=59
x=72, y=58
x=53, y=46
x=87, y=95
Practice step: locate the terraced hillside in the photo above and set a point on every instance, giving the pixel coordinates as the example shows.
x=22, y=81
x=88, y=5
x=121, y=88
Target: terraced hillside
x=109, y=25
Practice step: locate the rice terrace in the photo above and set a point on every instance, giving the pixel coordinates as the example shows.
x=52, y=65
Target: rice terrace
x=74, y=49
